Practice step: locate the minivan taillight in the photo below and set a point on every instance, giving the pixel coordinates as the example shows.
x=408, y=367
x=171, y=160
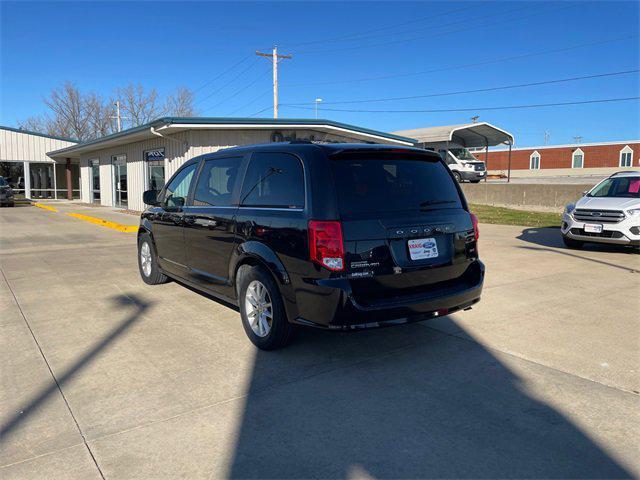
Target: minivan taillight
x=325, y=244
x=476, y=230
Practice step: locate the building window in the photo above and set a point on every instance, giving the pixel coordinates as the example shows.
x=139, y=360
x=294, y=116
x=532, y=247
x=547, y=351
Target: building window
x=154, y=160
x=577, y=159
x=534, y=161
x=626, y=157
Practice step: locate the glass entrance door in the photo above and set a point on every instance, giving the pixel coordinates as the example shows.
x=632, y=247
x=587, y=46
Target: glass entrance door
x=120, y=181
x=95, y=181
x=41, y=175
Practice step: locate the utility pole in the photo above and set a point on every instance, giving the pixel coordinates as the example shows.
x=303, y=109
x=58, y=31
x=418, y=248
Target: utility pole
x=118, y=117
x=578, y=138
x=547, y=135
x=275, y=58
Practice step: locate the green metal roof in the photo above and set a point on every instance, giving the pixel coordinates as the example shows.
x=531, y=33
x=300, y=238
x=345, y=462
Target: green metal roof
x=228, y=121
x=38, y=134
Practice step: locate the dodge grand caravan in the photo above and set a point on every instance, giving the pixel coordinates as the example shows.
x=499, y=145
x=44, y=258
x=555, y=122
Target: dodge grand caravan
x=336, y=236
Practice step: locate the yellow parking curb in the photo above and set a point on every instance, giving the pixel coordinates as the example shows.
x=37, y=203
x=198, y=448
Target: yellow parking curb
x=46, y=207
x=105, y=223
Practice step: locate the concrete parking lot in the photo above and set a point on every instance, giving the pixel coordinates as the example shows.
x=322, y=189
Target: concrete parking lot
x=106, y=377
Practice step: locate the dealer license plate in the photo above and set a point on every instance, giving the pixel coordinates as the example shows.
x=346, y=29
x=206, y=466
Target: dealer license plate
x=593, y=228
x=422, y=248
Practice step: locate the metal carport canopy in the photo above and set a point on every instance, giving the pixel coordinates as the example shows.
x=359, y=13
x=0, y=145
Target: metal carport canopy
x=481, y=134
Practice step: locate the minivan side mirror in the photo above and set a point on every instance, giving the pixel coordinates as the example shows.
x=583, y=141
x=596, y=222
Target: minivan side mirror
x=150, y=197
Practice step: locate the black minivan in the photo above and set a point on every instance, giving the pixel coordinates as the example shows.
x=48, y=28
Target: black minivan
x=336, y=236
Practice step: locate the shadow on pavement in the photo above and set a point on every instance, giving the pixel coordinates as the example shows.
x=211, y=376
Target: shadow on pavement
x=551, y=237
x=120, y=301
x=410, y=402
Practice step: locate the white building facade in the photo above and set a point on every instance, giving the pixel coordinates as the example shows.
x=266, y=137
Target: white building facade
x=24, y=163
x=117, y=169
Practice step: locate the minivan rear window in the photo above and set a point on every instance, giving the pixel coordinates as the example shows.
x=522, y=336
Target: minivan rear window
x=384, y=182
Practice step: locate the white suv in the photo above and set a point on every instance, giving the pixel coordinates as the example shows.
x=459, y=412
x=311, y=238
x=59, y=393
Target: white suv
x=608, y=213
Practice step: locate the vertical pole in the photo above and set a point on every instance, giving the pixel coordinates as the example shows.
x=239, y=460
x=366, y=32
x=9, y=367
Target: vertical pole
x=509, y=171
x=486, y=159
x=55, y=181
x=27, y=179
x=118, y=115
x=275, y=82
x=69, y=184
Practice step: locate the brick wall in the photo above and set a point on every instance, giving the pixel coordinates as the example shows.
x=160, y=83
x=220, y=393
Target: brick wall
x=595, y=156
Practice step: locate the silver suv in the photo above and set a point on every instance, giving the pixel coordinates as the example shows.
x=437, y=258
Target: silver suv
x=608, y=213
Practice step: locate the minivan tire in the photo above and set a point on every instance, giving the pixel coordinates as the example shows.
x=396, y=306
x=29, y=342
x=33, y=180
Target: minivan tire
x=571, y=243
x=458, y=177
x=146, y=249
x=281, y=331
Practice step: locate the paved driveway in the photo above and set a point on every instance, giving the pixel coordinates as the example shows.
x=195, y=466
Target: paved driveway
x=103, y=376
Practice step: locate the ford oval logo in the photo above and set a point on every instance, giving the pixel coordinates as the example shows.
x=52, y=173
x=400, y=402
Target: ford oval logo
x=596, y=214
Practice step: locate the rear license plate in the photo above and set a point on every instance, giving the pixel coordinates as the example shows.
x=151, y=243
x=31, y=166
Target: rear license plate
x=422, y=248
x=593, y=228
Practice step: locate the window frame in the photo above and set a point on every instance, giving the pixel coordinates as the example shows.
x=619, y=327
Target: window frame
x=623, y=151
x=305, y=186
x=237, y=188
x=531, y=157
x=163, y=192
x=577, y=151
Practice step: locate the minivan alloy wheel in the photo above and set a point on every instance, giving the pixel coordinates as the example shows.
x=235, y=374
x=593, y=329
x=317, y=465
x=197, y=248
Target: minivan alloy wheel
x=257, y=304
x=145, y=259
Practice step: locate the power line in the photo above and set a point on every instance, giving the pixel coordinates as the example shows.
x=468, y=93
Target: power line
x=250, y=103
x=465, y=65
x=238, y=92
x=221, y=74
x=260, y=111
x=506, y=107
x=478, y=90
x=199, y=102
x=472, y=27
x=387, y=27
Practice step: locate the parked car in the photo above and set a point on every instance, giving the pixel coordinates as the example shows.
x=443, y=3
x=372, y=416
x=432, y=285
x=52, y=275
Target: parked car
x=335, y=236
x=608, y=213
x=465, y=167
x=6, y=194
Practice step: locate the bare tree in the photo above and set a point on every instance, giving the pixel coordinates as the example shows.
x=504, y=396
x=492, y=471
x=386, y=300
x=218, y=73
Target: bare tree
x=180, y=103
x=138, y=106
x=101, y=116
x=37, y=123
x=86, y=116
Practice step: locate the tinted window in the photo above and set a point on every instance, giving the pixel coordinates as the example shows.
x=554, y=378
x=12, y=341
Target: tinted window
x=373, y=182
x=216, y=182
x=177, y=191
x=620, y=187
x=273, y=180
x=2, y=182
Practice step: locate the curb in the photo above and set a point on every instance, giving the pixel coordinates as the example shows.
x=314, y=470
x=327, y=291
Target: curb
x=105, y=223
x=45, y=207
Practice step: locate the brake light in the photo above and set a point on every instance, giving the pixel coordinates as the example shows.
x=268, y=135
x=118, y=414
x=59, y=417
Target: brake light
x=325, y=244
x=476, y=230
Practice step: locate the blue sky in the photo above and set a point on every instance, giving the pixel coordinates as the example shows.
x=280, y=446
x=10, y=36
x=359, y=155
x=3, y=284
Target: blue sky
x=336, y=47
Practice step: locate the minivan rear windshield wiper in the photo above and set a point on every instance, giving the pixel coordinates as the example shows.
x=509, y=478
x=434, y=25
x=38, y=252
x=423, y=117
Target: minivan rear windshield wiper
x=428, y=203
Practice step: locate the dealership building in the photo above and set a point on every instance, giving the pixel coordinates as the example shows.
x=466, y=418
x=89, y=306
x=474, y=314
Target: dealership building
x=31, y=173
x=601, y=158
x=116, y=169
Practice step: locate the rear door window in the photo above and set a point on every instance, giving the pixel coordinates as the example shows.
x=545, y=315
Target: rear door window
x=216, y=182
x=273, y=180
x=383, y=182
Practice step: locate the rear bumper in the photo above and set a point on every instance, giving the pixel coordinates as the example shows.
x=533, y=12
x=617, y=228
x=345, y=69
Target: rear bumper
x=340, y=310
